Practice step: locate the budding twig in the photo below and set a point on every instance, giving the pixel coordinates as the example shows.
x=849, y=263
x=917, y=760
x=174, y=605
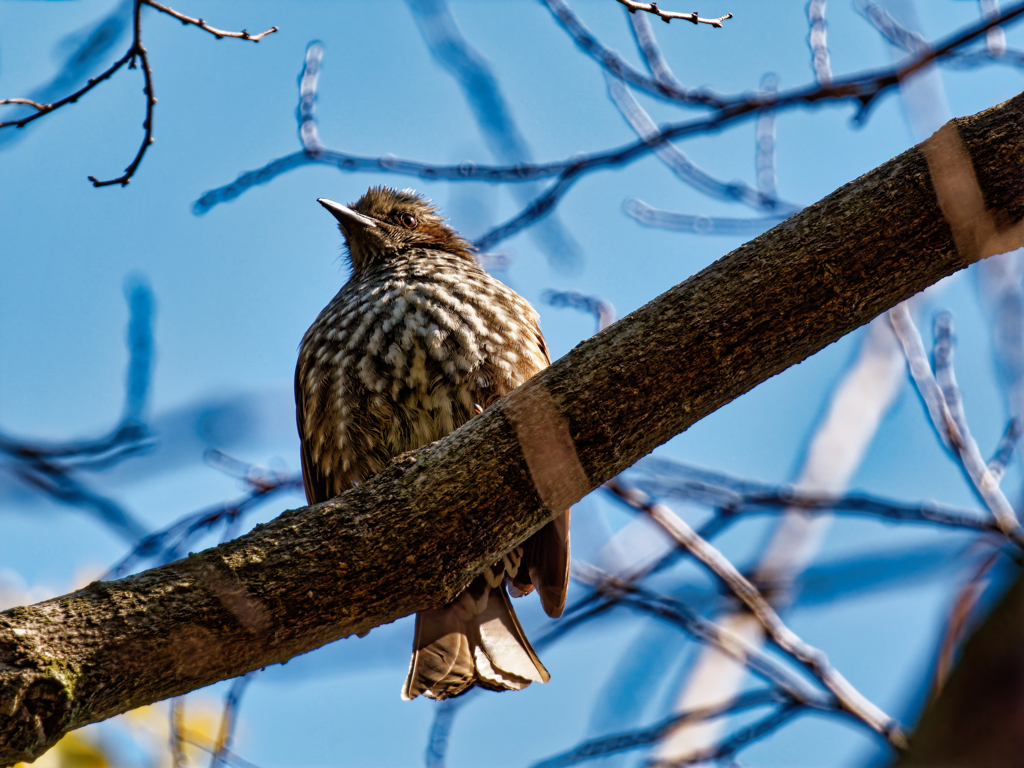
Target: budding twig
x=667, y=16
x=218, y=33
x=135, y=55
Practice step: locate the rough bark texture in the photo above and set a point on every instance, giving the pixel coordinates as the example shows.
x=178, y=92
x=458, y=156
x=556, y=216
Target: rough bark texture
x=417, y=533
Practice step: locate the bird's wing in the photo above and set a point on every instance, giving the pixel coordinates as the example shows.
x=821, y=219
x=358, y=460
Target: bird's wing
x=545, y=563
x=318, y=488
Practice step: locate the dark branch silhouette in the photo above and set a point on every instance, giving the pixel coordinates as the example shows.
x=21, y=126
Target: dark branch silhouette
x=135, y=57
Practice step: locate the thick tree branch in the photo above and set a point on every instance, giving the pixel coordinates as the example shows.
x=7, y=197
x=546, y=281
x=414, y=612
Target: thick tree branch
x=417, y=533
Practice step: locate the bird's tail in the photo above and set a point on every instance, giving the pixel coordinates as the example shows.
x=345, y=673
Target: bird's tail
x=474, y=640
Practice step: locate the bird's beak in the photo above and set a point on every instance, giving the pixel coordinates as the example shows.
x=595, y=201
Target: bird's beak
x=348, y=219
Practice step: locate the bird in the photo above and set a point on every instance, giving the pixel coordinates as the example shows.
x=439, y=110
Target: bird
x=420, y=340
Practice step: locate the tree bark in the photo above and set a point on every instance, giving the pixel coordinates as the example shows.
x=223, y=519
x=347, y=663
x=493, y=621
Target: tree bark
x=416, y=534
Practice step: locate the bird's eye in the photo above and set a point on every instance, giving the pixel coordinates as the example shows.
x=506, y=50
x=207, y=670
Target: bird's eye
x=408, y=220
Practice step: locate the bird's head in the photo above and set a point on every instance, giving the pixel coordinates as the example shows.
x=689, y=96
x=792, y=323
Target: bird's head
x=385, y=222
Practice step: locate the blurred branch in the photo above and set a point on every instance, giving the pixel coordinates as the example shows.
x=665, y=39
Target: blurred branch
x=229, y=720
x=171, y=543
x=135, y=56
x=957, y=622
x=697, y=224
x=54, y=469
x=684, y=169
x=667, y=16
x=340, y=568
x=602, y=311
x=764, y=144
x=471, y=70
x=644, y=737
x=651, y=51
x=863, y=89
x=818, y=42
x=913, y=42
x=946, y=411
x=813, y=660
x=1004, y=451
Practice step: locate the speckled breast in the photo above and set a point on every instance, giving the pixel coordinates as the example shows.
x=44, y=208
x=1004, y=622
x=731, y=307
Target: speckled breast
x=404, y=354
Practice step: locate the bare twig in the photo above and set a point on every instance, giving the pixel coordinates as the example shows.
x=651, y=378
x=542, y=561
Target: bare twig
x=783, y=499
x=135, y=56
x=218, y=33
x=137, y=50
x=29, y=102
x=43, y=109
x=667, y=16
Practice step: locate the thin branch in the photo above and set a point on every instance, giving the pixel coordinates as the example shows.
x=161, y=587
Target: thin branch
x=778, y=500
x=229, y=720
x=218, y=33
x=137, y=50
x=643, y=737
x=734, y=743
x=818, y=42
x=43, y=109
x=650, y=216
x=1004, y=451
x=620, y=592
x=863, y=89
x=29, y=102
x=603, y=311
x=667, y=16
x=947, y=418
x=811, y=658
x=684, y=169
x=136, y=55
x=651, y=53
x=764, y=146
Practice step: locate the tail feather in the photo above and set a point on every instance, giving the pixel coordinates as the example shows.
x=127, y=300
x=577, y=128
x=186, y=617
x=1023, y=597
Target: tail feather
x=545, y=566
x=455, y=648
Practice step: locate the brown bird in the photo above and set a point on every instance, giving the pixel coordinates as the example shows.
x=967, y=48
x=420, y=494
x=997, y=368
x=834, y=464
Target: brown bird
x=417, y=342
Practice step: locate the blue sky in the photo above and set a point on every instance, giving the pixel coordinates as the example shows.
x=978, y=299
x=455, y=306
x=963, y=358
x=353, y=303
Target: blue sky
x=237, y=286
